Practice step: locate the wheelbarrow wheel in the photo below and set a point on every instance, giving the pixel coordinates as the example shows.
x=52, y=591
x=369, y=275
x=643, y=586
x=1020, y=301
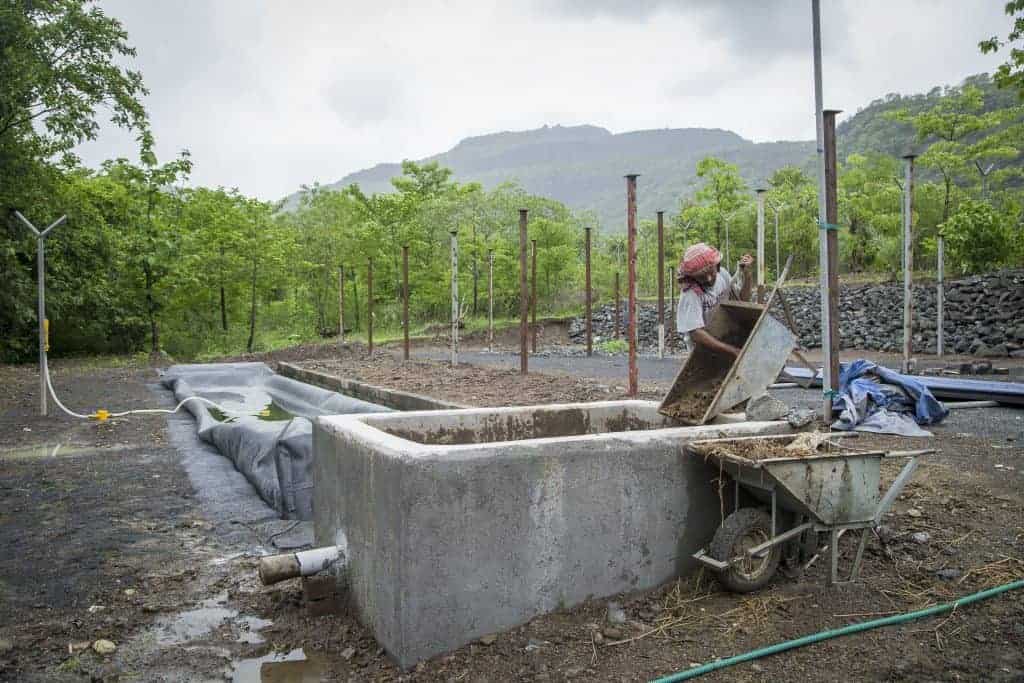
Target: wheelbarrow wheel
x=742, y=530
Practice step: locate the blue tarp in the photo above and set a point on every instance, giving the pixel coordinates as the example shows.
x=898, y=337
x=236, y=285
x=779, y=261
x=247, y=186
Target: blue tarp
x=877, y=399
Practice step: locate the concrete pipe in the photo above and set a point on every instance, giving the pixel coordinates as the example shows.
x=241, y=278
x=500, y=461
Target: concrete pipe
x=275, y=568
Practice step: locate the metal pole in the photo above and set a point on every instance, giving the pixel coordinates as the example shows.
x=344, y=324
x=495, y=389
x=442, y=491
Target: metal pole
x=832, y=242
x=727, y=261
x=760, y=245
x=533, y=299
x=341, y=305
x=617, y=304
x=44, y=327
x=940, y=295
x=455, y=298
x=826, y=327
x=405, y=301
x=672, y=295
x=908, y=260
x=631, y=278
x=523, y=296
x=661, y=284
x=490, y=299
x=588, y=324
x=369, y=306
x=778, y=263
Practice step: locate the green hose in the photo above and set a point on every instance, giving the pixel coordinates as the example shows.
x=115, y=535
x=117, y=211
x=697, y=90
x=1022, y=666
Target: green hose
x=845, y=631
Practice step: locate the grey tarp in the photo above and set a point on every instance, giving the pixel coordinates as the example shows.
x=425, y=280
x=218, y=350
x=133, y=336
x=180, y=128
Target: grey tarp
x=275, y=453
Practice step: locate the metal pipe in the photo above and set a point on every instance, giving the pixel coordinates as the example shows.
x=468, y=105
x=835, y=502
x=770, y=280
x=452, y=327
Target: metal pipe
x=940, y=298
x=617, y=304
x=778, y=262
x=369, y=306
x=341, y=304
x=908, y=260
x=523, y=296
x=631, y=279
x=405, y=302
x=826, y=344
x=832, y=243
x=588, y=302
x=533, y=298
x=455, y=298
x=661, y=284
x=760, y=245
x=490, y=299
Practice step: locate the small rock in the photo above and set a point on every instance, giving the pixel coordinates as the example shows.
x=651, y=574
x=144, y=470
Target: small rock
x=921, y=537
x=93, y=609
x=765, y=408
x=129, y=592
x=612, y=633
x=616, y=615
x=949, y=574
x=348, y=653
x=78, y=646
x=533, y=644
x=913, y=512
x=756, y=668
x=488, y=639
x=103, y=647
x=598, y=638
x=6, y=645
x=798, y=418
x=573, y=672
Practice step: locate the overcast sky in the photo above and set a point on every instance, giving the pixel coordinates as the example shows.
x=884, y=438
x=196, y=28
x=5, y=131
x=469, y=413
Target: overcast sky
x=270, y=95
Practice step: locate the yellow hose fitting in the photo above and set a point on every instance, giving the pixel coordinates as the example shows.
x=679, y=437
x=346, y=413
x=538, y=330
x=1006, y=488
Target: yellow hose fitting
x=101, y=415
x=46, y=335
x=265, y=412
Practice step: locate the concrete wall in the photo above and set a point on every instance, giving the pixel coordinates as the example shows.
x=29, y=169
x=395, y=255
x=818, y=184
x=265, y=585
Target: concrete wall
x=392, y=398
x=450, y=541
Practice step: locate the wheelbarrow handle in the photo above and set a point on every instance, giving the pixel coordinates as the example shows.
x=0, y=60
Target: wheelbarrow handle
x=901, y=480
x=909, y=454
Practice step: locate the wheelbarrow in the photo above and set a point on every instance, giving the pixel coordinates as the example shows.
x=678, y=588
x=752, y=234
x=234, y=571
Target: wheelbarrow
x=794, y=496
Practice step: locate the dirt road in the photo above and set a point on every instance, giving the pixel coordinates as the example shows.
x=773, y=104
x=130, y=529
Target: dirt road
x=122, y=535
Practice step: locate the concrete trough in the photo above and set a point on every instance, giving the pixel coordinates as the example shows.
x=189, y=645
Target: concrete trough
x=460, y=523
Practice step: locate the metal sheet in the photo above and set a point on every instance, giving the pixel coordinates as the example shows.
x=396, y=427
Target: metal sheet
x=839, y=491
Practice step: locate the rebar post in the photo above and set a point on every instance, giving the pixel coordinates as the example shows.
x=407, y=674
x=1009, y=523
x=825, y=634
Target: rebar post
x=631, y=279
x=455, y=299
x=618, y=301
x=588, y=302
x=369, y=306
x=524, y=311
x=490, y=299
x=832, y=242
x=908, y=260
x=661, y=284
x=760, y=245
x=341, y=305
x=826, y=323
x=940, y=297
x=533, y=298
x=405, y=302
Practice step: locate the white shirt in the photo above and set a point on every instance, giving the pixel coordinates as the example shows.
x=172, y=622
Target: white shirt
x=695, y=309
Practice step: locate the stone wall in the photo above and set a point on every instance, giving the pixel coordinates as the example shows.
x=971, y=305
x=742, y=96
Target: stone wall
x=984, y=316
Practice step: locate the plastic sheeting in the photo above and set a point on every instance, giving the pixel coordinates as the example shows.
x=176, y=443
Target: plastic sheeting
x=274, y=450
x=875, y=399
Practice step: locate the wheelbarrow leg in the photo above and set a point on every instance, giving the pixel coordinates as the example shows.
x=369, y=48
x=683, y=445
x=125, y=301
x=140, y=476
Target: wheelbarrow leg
x=860, y=554
x=833, y=552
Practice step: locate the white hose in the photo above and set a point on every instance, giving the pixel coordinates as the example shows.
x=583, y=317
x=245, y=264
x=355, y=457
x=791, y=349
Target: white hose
x=49, y=384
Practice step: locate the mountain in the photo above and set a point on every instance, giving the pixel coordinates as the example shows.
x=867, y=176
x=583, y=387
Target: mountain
x=583, y=166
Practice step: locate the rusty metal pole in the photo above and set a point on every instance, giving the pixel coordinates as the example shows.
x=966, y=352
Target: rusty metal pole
x=940, y=296
x=908, y=261
x=341, y=304
x=405, y=302
x=369, y=306
x=455, y=299
x=760, y=245
x=631, y=279
x=524, y=311
x=832, y=238
x=670, y=272
x=490, y=299
x=618, y=301
x=587, y=294
x=533, y=298
x=661, y=284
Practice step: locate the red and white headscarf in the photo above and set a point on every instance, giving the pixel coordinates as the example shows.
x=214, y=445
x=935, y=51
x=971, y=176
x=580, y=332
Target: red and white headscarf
x=696, y=258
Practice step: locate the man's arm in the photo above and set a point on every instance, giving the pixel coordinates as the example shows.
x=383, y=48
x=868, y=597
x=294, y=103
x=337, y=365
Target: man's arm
x=748, y=281
x=705, y=338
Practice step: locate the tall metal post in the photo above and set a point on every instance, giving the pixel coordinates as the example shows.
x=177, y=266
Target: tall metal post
x=940, y=296
x=490, y=299
x=631, y=278
x=661, y=284
x=369, y=306
x=832, y=243
x=341, y=304
x=455, y=299
x=524, y=310
x=533, y=298
x=826, y=322
x=44, y=327
x=588, y=302
x=760, y=245
x=908, y=260
x=778, y=263
x=618, y=304
x=405, y=302
x=672, y=295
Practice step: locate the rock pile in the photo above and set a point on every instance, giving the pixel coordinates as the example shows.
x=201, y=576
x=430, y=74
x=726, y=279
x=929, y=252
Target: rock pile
x=603, y=326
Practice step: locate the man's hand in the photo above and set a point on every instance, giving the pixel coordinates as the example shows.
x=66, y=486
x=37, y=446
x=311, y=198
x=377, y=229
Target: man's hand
x=704, y=338
x=746, y=260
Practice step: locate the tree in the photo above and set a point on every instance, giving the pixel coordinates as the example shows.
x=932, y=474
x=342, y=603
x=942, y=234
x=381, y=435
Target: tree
x=977, y=237
x=1010, y=74
x=721, y=196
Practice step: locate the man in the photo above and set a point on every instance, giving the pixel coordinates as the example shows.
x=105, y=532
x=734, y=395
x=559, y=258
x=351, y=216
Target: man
x=703, y=284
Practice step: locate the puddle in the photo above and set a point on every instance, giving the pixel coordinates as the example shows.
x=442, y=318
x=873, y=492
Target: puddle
x=200, y=622
x=269, y=412
x=281, y=667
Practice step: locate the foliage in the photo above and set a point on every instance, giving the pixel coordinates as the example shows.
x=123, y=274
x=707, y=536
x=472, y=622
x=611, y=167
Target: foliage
x=1010, y=74
x=976, y=237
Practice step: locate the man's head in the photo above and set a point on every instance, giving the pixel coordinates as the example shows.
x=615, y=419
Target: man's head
x=700, y=262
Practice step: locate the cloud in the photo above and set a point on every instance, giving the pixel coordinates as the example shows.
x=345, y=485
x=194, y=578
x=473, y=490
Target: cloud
x=362, y=99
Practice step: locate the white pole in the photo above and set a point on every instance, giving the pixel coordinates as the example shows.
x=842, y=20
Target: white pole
x=940, y=295
x=490, y=300
x=908, y=260
x=760, y=246
x=826, y=341
x=455, y=298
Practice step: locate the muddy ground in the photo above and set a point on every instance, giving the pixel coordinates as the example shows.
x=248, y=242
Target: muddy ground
x=108, y=538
